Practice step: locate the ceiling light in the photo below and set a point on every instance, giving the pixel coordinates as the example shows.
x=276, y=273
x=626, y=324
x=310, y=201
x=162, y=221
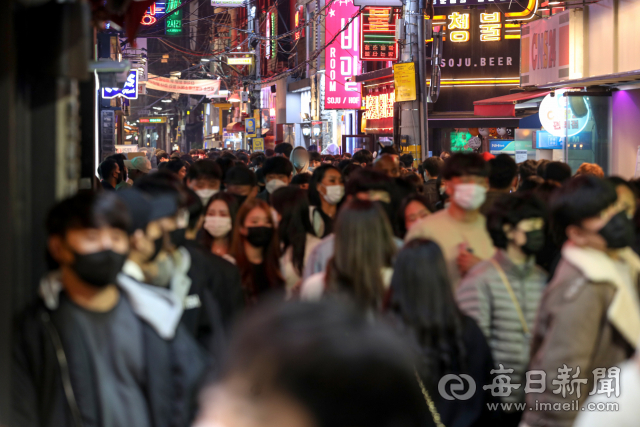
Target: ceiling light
x=204, y=60
x=157, y=108
x=166, y=100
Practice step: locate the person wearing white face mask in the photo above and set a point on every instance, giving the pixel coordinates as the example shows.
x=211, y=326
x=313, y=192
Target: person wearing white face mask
x=217, y=229
x=204, y=177
x=277, y=172
x=326, y=191
x=460, y=230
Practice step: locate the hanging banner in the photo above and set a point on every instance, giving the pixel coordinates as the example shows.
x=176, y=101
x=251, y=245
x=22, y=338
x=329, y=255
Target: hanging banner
x=342, y=57
x=211, y=88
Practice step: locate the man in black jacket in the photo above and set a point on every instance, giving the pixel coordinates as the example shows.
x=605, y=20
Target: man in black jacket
x=193, y=280
x=96, y=350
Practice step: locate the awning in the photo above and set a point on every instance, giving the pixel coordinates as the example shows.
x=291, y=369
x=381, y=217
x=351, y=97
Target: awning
x=466, y=119
x=606, y=79
x=235, y=127
x=384, y=73
x=505, y=106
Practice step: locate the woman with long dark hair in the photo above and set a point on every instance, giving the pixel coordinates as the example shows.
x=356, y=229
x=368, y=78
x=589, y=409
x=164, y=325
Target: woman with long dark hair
x=297, y=237
x=362, y=262
x=256, y=250
x=326, y=190
x=217, y=229
x=448, y=341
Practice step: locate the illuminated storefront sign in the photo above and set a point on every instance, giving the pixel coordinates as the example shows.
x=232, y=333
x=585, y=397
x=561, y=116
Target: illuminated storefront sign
x=378, y=105
x=270, y=33
x=558, y=117
x=516, y=10
x=153, y=120
x=153, y=12
x=548, y=55
x=299, y=22
x=483, y=47
x=480, y=56
x=342, y=58
x=378, y=34
x=174, y=21
x=228, y=3
x=129, y=90
x=240, y=61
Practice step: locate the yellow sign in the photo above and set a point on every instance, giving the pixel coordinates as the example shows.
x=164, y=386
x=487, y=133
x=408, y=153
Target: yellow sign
x=240, y=61
x=404, y=78
x=258, y=144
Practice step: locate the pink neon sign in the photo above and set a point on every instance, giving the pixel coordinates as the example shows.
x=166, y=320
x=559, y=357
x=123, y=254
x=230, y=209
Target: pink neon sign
x=342, y=58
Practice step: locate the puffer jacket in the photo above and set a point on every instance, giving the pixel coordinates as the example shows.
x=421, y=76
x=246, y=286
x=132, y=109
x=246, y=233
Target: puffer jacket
x=483, y=296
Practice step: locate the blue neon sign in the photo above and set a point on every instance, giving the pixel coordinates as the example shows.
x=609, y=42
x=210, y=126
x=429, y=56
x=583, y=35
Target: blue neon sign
x=129, y=90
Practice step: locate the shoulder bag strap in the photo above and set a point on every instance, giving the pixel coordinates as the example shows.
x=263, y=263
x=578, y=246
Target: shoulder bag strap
x=516, y=304
x=432, y=406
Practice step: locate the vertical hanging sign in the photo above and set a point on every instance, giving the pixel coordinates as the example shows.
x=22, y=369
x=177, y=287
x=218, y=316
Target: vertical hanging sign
x=174, y=21
x=342, y=57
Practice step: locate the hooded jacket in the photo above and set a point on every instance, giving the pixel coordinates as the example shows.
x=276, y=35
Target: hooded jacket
x=589, y=318
x=305, y=168
x=56, y=385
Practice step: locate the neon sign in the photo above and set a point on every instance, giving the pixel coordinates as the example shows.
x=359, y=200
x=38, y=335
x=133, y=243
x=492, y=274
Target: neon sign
x=491, y=27
x=299, y=22
x=174, y=22
x=129, y=90
x=267, y=47
x=378, y=34
x=460, y=23
x=156, y=9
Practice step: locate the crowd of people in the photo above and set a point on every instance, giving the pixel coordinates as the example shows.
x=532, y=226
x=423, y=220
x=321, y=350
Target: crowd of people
x=290, y=288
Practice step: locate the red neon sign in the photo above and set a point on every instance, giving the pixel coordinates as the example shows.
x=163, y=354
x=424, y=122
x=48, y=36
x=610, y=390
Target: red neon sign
x=299, y=21
x=149, y=18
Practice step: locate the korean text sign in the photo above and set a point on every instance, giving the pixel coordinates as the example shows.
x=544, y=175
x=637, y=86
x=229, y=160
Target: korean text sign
x=342, y=57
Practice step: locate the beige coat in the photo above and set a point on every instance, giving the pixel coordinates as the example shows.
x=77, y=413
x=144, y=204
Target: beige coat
x=589, y=318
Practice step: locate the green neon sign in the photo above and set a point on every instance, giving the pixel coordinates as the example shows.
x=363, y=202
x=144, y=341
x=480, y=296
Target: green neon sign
x=174, y=22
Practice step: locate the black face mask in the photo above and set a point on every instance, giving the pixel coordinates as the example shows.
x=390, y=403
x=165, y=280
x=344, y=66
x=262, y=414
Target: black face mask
x=259, y=237
x=159, y=244
x=534, y=243
x=618, y=232
x=99, y=269
x=240, y=199
x=178, y=237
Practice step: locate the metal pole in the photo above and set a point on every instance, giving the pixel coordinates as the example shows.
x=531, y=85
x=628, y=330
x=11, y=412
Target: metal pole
x=422, y=81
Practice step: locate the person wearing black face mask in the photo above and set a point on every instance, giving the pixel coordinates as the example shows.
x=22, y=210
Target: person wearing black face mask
x=256, y=251
x=242, y=183
x=109, y=170
x=508, y=286
x=590, y=315
x=110, y=341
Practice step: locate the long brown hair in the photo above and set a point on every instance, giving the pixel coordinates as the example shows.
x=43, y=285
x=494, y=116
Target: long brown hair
x=271, y=256
x=363, y=246
x=204, y=237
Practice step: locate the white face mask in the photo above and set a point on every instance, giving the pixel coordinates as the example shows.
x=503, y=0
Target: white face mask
x=217, y=226
x=274, y=184
x=206, y=194
x=335, y=193
x=469, y=196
